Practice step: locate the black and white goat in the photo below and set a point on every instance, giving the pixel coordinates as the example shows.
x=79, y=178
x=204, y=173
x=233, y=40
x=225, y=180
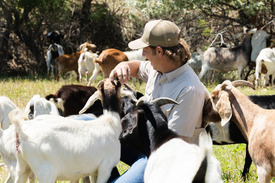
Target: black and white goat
x=171, y=159
x=55, y=50
x=58, y=148
x=70, y=99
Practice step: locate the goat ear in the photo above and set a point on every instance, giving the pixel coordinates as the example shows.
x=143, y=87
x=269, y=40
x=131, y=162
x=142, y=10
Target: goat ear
x=129, y=123
x=100, y=84
x=224, y=108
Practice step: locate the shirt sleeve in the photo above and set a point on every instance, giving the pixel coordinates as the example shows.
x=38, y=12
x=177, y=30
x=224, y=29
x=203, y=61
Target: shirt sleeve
x=144, y=70
x=184, y=117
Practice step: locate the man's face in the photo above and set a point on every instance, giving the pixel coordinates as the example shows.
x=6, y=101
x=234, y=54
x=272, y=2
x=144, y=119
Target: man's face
x=151, y=55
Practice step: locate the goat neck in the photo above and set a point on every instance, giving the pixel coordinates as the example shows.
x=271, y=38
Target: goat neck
x=145, y=128
x=110, y=95
x=243, y=112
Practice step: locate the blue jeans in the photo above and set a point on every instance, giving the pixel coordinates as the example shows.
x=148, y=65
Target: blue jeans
x=135, y=174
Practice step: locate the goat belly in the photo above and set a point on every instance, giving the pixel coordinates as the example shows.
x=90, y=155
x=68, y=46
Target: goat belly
x=174, y=161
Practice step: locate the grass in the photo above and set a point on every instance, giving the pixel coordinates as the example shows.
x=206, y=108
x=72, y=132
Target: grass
x=231, y=157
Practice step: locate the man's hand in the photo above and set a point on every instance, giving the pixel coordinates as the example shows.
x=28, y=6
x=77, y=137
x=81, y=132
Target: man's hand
x=122, y=71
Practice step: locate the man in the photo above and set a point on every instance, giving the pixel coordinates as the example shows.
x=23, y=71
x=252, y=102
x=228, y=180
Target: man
x=167, y=75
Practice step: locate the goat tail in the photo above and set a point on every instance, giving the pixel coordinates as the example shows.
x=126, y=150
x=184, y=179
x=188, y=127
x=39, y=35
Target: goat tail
x=209, y=170
x=16, y=116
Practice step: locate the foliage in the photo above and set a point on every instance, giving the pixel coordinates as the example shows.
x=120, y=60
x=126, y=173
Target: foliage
x=112, y=23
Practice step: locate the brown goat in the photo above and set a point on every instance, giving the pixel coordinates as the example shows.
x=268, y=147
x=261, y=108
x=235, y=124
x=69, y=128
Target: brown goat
x=256, y=124
x=66, y=63
x=108, y=59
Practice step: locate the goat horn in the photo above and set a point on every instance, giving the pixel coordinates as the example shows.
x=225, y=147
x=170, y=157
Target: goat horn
x=141, y=101
x=164, y=100
x=243, y=83
x=226, y=84
x=129, y=87
x=90, y=102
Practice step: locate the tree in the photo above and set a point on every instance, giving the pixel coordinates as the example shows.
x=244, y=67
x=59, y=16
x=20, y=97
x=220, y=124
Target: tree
x=201, y=20
x=28, y=20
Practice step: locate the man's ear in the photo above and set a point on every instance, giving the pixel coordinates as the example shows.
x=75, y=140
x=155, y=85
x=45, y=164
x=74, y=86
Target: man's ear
x=159, y=51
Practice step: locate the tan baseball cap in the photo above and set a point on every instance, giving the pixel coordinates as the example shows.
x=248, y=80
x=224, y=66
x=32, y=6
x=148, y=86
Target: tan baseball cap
x=162, y=33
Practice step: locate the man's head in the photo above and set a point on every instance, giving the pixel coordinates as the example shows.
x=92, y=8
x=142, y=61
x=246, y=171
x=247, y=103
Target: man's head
x=164, y=35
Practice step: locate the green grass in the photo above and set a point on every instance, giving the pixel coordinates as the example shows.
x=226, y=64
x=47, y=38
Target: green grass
x=231, y=157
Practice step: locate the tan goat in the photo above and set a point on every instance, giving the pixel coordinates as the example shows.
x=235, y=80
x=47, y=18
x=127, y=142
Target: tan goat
x=256, y=124
x=107, y=60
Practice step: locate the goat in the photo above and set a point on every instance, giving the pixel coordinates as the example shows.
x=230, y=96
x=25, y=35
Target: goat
x=255, y=123
x=54, y=51
x=230, y=133
x=70, y=99
x=8, y=152
x=55, y=36
x=69, y=62
x=87, y=66
x=107, y=60
x=38, y=106
x=66, y=63
x=227, y=59
x=259, y=42
x=89, y=46
x=265, y=64
x=145, y=129
x=6, y=106
x=196, y=60
x=78, y=149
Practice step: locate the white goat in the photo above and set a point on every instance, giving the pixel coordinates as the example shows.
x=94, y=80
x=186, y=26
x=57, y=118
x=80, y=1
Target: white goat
x=6, y=106
x=256, y=124
x=259, y=42
x=8, y=153
x=87, y=66
x=56, y=148
x=163, y=168
x=265, y=64
x=38, y=106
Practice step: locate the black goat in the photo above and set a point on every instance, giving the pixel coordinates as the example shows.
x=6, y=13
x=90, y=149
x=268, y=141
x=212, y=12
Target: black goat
x=145, y=130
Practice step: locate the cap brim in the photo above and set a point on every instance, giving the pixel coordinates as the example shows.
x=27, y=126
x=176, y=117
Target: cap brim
x=137, y=44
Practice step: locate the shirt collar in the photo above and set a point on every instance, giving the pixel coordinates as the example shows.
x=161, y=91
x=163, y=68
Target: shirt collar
x=170, y=76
